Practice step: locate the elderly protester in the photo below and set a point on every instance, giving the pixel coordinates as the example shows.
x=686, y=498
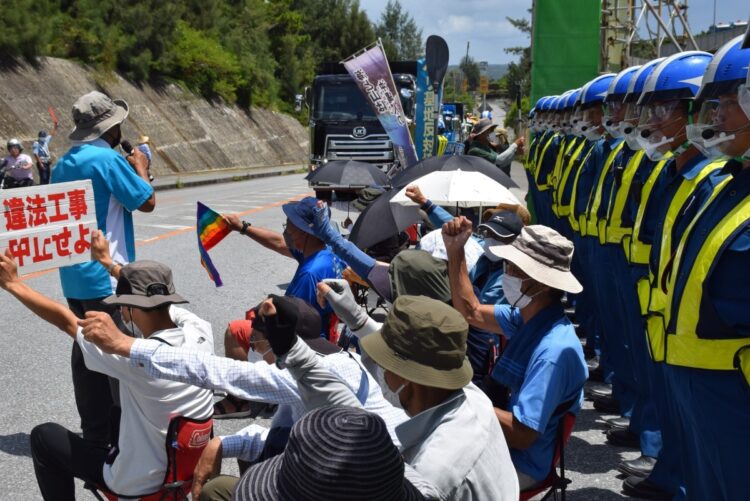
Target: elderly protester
x=542, y=369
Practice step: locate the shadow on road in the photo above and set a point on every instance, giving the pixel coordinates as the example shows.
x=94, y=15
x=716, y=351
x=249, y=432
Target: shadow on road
x=592, y=493
x=16, y=444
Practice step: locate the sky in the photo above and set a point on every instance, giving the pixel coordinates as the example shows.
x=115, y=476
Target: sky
x=483, y=23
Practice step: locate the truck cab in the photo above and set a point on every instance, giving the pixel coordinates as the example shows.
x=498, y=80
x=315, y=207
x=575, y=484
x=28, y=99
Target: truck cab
x=343, y=125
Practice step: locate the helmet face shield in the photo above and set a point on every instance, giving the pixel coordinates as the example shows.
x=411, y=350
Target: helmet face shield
x=720, y=123
x=576, y=117
x=614, y=113
x=655, y=131
x=629, y=125
x=591, y=122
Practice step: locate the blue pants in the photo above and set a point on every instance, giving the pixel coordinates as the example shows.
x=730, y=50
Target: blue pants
x=606, y=285
x=668, y=472
x=713, y=408
x=644, y=420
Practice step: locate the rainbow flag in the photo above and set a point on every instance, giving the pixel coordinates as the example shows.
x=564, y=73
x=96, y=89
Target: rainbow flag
x=211, y=230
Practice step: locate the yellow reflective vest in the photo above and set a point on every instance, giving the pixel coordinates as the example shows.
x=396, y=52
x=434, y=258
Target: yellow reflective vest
x=563, y=208
x=588, y=221
x=614, y=231
x=683, y=345
x=653, y=294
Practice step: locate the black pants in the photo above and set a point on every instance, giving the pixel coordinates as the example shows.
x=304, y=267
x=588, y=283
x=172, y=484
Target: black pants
x=95, y=393
x=60, y=455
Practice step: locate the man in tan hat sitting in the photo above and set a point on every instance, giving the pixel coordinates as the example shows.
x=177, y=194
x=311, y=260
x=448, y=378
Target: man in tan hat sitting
x=418, y=356
x=136, y=463
x=482, y=144
x=542, y=369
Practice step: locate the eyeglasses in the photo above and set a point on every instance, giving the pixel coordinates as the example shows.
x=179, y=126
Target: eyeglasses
x=252, y=342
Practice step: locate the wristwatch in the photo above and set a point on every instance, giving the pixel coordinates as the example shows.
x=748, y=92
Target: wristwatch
x=112, y=266
x=245, y=226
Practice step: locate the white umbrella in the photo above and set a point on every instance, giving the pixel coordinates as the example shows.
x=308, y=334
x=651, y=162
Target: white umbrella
x=459, y=189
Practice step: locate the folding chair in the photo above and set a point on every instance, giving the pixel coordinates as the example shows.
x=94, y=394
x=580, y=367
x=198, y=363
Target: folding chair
x=555, y=482
x=186, y=439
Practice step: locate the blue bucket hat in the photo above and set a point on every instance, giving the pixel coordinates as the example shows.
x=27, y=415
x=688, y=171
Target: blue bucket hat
x=301, y=214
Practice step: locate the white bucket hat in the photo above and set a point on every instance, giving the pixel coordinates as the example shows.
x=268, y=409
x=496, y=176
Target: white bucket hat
x=544, y=255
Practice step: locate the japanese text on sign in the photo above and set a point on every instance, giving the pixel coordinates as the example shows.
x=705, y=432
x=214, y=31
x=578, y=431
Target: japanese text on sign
x=48, y=226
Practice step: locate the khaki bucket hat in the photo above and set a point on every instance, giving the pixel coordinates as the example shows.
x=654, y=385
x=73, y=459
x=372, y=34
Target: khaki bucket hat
x=544, y=255
x=94, y=114
x=424, y=341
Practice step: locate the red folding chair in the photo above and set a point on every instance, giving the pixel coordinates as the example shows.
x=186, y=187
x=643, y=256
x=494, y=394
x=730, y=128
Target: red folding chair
x=186, y=439
x=555, y=482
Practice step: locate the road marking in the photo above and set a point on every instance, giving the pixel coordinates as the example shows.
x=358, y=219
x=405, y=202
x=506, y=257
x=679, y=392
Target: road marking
x=165, y=226
x=185, y=229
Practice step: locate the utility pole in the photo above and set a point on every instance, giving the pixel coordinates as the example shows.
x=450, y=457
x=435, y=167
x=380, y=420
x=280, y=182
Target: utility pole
x=467, y=51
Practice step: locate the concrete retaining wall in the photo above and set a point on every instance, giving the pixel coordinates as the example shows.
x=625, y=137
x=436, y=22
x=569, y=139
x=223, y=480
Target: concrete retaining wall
x=188, y=133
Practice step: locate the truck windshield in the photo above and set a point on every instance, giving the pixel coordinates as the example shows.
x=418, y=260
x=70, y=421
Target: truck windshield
x=342, y=100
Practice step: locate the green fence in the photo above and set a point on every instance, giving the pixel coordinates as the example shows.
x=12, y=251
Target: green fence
x=565, y=45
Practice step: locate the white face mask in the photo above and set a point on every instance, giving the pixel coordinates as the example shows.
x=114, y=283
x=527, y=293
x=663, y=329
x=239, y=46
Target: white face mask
x=590, y=131
x=512, y=289
x=389, y=395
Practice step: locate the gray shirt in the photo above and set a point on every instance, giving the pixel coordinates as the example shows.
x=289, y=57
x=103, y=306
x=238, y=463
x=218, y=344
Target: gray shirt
x=457, y=446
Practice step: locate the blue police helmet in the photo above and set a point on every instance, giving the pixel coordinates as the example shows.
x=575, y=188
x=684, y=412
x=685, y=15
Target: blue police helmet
x=618, y=87
x=547, y=102
x=532, y=112
x=594, y=91
x=573, y=98
x=538, y=105
x=727, y=70
x=562, y=101
x=677, y=77
x=635, y=86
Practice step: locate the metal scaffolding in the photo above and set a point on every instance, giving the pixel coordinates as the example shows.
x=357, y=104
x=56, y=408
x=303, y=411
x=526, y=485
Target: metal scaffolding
x=634, y=31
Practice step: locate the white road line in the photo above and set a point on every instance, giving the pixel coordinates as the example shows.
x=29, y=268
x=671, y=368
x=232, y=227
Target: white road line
x=164, y=226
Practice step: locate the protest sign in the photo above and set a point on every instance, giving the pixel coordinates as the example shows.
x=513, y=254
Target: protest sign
x=48, y=226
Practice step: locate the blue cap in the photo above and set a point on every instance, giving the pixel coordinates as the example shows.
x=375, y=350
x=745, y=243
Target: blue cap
x=301, y=214
x=573, y=98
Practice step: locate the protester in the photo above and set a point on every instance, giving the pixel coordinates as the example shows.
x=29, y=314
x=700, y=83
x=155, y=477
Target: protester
x=542, y=367
x=16, y=166
x=120, y=188
x=482, y=145
x=143, y=142
x=259, y=381
x=452, y=438
x=334, y=453
x=144, y=294
x=315, y=262
x=42, y=156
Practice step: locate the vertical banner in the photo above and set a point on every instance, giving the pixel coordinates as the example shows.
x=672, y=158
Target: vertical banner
x=424, y=118
x=48, y=226
x=370, y=70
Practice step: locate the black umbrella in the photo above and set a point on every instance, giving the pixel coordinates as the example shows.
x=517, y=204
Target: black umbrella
x=451, y=162
x=381, y=220
x=347, y=174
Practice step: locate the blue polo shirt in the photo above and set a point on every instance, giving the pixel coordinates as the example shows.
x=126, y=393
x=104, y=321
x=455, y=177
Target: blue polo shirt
x=118, y=191
x=311, y=270
x=555, y=374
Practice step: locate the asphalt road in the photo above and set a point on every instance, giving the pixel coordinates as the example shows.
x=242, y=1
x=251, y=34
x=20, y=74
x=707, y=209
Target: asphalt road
x=35, y=383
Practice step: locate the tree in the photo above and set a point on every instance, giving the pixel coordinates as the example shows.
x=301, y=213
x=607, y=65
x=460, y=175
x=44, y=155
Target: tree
x=518, y=79
x=402, y=38
x=470, y=69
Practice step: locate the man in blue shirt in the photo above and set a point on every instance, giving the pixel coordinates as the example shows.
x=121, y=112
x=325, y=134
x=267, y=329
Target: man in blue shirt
x=542, y=367
x=315, y=262
x=120, y=187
